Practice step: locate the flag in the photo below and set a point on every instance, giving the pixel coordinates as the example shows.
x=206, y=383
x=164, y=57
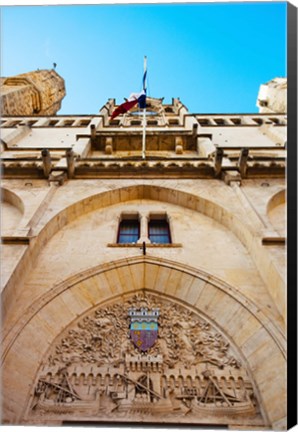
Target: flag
x=123, y=108
x=142, y=97
x=134, y=98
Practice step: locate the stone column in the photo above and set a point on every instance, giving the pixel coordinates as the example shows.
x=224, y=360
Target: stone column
x=144, y=229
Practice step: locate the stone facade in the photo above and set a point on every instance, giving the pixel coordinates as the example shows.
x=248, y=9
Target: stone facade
x=39, y=92
x=185, y=331
x=272, y=97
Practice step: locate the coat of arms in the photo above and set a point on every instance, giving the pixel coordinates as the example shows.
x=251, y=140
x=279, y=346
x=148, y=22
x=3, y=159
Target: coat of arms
x=143, y=327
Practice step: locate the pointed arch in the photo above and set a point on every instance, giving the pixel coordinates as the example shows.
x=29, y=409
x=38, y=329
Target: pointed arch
x=54, y=223
x=256, y=339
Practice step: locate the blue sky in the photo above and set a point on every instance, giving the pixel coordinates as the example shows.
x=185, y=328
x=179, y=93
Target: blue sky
x=213, y=56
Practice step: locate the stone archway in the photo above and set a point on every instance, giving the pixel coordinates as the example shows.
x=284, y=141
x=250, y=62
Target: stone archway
x=95, y=355
x=252, y=338
x=53, y=223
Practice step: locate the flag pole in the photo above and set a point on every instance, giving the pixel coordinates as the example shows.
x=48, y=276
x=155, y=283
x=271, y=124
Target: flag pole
x=144, y=135
x=144, y=112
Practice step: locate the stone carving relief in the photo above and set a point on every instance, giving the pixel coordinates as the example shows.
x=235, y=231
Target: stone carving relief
x=144, y=358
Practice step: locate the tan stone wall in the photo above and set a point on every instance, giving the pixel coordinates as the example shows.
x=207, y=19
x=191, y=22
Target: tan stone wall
x=214, y=199
x=217, y=230
x=39, y=92
x=10, y=216
x=276, y=209
x=257, y=341
x=201, y=242
x=61, y=259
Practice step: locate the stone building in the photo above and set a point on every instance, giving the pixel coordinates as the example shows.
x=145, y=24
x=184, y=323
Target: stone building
x=143, y=287
x=272, y=96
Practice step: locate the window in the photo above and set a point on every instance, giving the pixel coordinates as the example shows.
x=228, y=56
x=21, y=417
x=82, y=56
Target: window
x=129, y=231
x=159, y=231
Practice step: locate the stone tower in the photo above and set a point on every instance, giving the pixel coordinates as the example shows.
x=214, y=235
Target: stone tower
x=272, y=97
x=38, y=92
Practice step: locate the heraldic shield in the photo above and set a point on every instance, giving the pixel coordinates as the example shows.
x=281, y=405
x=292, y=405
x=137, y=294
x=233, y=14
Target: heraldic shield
x=143, y=327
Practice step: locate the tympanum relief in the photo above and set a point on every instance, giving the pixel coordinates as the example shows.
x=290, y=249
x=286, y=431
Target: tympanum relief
x=144, y=359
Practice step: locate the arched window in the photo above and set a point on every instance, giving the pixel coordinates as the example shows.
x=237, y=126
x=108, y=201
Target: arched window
x=129, y=230
x=159, y=230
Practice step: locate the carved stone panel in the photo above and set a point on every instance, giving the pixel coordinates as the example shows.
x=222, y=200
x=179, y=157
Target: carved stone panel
x=144, y=358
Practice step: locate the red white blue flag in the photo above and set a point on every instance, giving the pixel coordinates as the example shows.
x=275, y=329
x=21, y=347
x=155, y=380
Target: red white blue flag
x=134, y=99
